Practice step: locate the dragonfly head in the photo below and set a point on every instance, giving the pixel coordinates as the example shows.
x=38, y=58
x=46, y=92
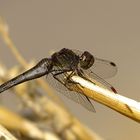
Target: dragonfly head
x=86, y=60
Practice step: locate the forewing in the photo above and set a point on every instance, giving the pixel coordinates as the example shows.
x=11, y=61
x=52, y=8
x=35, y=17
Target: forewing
x=98, y=80
x=103, y=68
x=58, y=84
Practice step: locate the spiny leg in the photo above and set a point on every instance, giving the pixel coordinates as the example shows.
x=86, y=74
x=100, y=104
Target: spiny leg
x=67, y=77
x=81, y=74
x=79, y=97
x=57, y=74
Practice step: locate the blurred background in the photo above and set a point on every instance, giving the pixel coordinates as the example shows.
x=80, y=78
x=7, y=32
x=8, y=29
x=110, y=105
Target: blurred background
x=108, y=29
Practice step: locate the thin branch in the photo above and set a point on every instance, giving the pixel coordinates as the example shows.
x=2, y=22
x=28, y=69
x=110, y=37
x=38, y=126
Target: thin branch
x=119, y=103
x=62, y=121
x=5, y=135
x=4, y=30
x=64, y=124
x=16, y=122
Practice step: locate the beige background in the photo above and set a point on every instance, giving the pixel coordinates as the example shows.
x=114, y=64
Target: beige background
x=109, y=29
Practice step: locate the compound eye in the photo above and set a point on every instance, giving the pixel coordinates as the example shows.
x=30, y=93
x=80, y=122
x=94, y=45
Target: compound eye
x=86, y=60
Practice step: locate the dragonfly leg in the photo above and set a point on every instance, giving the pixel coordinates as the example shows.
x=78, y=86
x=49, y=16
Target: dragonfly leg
x=69, y=81
x=62, y=82
x=81, y=74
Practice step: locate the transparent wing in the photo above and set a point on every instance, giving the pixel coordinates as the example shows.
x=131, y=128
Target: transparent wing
x=103, y=68
x=58, y=84
x=98, y=80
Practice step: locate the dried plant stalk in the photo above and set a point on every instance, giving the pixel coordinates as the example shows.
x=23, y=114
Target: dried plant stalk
x=5, y=135
x=4, y=30
x=64, y=124
x=121, y=104
x=20, y=124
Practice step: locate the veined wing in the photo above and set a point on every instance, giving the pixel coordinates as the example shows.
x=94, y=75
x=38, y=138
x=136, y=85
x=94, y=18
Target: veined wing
x=59, y=85
x=103, y=68
x=98, y=80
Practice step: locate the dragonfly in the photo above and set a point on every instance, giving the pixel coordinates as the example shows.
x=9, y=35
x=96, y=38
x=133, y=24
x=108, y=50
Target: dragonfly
x=61, y=66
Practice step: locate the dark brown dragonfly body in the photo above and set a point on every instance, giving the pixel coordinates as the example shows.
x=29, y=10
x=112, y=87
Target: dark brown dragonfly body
x=61, y=66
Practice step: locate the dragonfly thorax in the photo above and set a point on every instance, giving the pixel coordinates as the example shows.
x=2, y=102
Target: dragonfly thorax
x=65, y=59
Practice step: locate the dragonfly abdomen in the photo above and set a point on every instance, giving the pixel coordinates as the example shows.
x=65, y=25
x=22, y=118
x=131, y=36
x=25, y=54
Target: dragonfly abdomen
x=41, y=69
